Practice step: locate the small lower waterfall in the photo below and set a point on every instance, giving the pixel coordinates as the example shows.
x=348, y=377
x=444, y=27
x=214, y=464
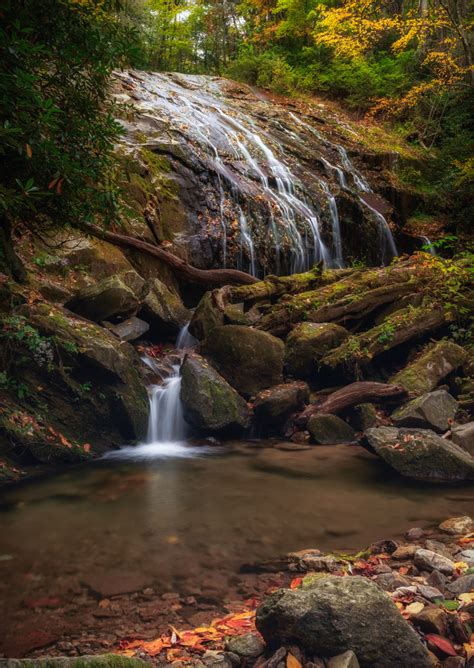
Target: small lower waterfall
x=428, y=246
x=166, y=422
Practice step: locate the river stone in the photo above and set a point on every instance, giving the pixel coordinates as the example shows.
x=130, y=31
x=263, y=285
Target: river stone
x=209, y=402
x=433, y=410
x=249, y=359
x=86, y=661
x=206, y=317
x=164, y=311
x=463, y=435
x=462, y=585
x=307, y=343
x=273, y=407
x=421, y=454
x=427, y=560
x=330, y=429
x=346, y=660
x=247, y=646
x=130, y=329
x=337, y=614
x=431, y=620
x=425, y=373
x=362, y=417
x=457, y=525
x=112, y=297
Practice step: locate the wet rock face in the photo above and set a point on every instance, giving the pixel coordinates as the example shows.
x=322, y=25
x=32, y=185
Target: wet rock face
x=257, y=184
x=210, y=404
x=249, y=359
x=421, y=454
x=164, y=311
x=335, y=615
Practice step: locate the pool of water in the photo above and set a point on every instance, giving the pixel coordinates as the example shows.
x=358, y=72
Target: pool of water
x=172, y=520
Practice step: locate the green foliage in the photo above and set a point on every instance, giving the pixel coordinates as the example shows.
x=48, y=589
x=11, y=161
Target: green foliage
x=57, y=119
x=16, y=329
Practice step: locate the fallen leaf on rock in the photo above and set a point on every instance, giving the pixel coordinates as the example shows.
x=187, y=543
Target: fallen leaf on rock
x=414, y=608
x=292, y=661
x=467, y=598
x=296, y=583
x=441, y=643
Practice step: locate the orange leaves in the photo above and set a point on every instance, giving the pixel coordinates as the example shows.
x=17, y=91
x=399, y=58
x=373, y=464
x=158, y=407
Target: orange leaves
x=292, y=661
x=28, y=151
x=195, y=640
x=296, y=583
x=56, y=183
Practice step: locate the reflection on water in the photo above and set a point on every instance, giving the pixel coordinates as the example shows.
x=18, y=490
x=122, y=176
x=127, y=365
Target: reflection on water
x=173, y=519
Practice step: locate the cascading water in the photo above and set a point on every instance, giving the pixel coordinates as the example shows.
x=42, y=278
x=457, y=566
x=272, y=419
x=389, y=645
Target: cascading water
x=429, y=246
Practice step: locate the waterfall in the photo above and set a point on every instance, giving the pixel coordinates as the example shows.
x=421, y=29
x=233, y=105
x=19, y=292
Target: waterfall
x=429, y=246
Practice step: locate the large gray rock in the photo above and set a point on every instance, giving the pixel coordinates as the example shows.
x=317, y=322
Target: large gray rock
x=206, y=317
x=249, y=359
x=209, y=402
x=337, y=614
x=428, y=370
x=330, y=429
x=463, y=435
x=458, y=525
x=421, y=454
x=462, y=585
x=272, y=407
x=307, y=343
x=164, y=310
x=113, y=297
x=427, y=560
x=434, y=410
x=130, y=329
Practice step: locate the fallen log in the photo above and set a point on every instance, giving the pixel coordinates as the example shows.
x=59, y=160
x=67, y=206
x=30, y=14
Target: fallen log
x=352, y=395
x=207, y=277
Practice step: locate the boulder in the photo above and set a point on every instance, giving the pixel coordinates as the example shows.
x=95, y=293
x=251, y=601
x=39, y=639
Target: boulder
x=330, y=429
x=307, y=343
x=362, y=417
x=130, y=329
x=427, y=560
x=431, y=620
x=273, y=407
x=112, y=297
x=421, y=454
x=209, y=402
x=427, y=371
x=249, y=359
x=91, y=384
x=206, y=317
x=434, y=410
x=463, y=435
x=164, y=311
x=462, y=585
x=338, y=614
x=458, y=525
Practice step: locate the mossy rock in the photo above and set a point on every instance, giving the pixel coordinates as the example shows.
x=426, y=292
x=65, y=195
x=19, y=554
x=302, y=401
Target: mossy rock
x=309, y=342
x=330, y=430
x=206, y=317
x=249, y=359
x=210, y=404
x=164, y=311
x=112, y=297
x=273, y=407
x=428, y=370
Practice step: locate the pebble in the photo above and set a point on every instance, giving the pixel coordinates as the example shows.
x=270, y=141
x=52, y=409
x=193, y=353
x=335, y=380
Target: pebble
x=467, y=556
x=439, y=548
x=416, y=533
x=248, y=646
x=346, y=660
x=430, y=593
x=431, y=620
x=431, y=561
x=462, y=585
x=458, y=525
x=404, y=552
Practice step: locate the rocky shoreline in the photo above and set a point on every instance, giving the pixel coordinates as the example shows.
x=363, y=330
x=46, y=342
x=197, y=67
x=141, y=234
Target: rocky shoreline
x=398, y=603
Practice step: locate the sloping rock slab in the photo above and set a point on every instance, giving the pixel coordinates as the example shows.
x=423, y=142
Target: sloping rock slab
x=337, y=614
x=421, y=454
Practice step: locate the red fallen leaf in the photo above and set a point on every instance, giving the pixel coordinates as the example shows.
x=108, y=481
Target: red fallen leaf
x=59, y=186
x=296, y=583
x=441, y=643
x=87, y=447
x=52, y=183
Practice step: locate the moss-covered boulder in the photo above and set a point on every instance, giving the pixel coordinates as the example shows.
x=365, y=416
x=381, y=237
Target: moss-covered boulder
x=428, y=370
x=112, y=297
x=330, y=430
x=74, y=390
x=273, y=407
x=206, y=317
x=421, y=454
x=164, y=311
x=210, y=404
x=309, y=342
x=249, y=359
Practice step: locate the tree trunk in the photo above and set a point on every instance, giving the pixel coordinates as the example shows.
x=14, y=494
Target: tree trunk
x=10, y=263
